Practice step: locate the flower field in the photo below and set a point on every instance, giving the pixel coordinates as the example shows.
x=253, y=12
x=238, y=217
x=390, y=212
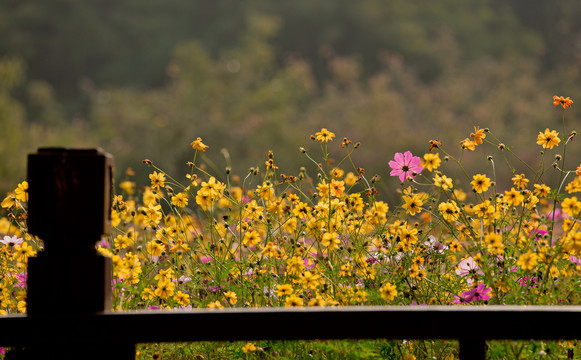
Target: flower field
x=326, y=238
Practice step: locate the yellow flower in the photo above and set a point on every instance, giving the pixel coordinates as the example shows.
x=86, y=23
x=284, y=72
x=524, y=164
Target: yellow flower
x=481, y=183
x=251, y=238
x=468, y=144
x=198, y=145
x=157, y=180
x=310, y=280
x=215, y=305
x=520, y=181
x=337, y=188
x=271, y=249
x=149, y=197
x=153, y=213
x=249, y=347
x=147, y=294
x=324, y=135
x=527, y=261
x=574, y=186
x=22, y=252
x=181, y=298
x=128, y=187
x=443, y=182
x=294, y=265
x=232, y=297
x=449, y=211
x=330, y=240
x=388, y=291
x=265, y=191
x=571, y=206
x=180, y=200
x=204, y=199
x=165, y=288
x=122, y=241
x=154, y=248
x=21, y=191
x=21, y=306
x=413, y=204
x=283, y=289
x=351, y=179
x=317, y=301
x=455, y=246
x=337, y=173
x=460, y=194
x=514, y=197
x=293, y=301
x=432, y=161
x=494, y=244
x=542, y=190
x=9, y=202
x=548, y=139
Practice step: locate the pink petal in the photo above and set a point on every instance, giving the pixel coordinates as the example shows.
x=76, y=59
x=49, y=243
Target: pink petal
x=399, y=158
x=396, y=172
x=416, y=169
x=415, y=161
x=394, y=165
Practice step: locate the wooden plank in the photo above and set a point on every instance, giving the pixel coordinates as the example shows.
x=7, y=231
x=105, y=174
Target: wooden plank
x=463, y=323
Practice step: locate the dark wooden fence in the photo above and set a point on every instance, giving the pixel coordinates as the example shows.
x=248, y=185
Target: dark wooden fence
x=69, y=291
x=112, y=335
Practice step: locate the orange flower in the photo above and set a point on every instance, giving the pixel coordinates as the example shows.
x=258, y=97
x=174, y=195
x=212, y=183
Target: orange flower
x=478, y=135
x=468, y=144
x=564, y=102
x=434, y=144
x=198, y=145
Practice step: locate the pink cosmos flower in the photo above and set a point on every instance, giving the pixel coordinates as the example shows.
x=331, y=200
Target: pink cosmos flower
x=575, y=260
x=307, y=263
x=404, y=165
x=538, y=234
x=468, y=267
x=104, y=244
x=434, y=245
x=22, y=279
x=526, y=281
x=478, y=293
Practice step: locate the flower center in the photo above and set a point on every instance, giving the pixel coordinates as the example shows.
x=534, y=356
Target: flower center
x=405, y=168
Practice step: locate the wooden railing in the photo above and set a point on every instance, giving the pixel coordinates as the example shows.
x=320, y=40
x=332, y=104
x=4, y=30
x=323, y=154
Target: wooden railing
x=112, y=335
x=69, y=291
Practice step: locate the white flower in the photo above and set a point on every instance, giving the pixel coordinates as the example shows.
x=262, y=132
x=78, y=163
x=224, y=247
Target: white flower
x=11, y=241
x=468, y=267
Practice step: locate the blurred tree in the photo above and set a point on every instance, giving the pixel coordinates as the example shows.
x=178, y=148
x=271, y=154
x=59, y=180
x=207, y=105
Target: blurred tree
x=20, y=133
x=239, y=100
x=110, y=42
x=142, y=79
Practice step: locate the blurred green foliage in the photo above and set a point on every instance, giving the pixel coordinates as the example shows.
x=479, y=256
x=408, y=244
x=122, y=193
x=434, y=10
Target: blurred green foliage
x=144, y=78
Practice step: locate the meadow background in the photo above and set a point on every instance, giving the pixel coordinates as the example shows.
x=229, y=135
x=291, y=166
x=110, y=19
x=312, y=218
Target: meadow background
x=142, y=79
x=255, y=80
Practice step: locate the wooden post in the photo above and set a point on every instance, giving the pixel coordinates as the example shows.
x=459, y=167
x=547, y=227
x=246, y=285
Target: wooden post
x=472, y=349
x=69, y=209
